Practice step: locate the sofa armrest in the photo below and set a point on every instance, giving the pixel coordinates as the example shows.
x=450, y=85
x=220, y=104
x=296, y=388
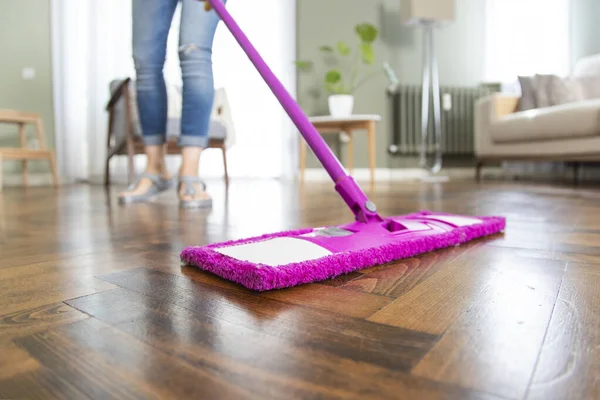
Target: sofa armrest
x=487, y=110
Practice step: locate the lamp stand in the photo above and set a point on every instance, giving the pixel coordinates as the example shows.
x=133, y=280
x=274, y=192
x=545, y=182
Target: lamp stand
x=430, y=81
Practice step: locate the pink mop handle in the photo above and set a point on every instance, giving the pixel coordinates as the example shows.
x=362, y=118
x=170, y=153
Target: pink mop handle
x=351, y=193
x=312, y=137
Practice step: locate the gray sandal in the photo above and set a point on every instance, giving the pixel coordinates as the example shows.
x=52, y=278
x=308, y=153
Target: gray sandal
x=159, y=184
x=189, y=190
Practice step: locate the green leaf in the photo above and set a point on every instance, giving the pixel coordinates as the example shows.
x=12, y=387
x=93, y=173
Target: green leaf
x=333, y=76
x=343, y=48
x=338, y=88
x=367, y=32
x=326, y=49
x=303, y=65
x=368, y=56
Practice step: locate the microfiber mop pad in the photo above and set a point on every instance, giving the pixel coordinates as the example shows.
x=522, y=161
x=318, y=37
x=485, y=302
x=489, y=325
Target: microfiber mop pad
x=285, y=259
x=291, y=258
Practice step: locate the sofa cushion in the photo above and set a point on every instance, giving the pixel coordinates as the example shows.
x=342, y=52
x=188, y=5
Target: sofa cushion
x=590, y=86
x=588, y=66
x=527, y=99
x=564, y=90
x=571, y=120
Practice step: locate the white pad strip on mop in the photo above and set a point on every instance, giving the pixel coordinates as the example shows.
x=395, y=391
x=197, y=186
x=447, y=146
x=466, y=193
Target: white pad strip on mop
x=276, y=251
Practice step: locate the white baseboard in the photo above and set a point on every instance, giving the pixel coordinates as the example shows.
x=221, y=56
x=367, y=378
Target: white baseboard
x=37, y=179
x=401, y=174
x=33, y=179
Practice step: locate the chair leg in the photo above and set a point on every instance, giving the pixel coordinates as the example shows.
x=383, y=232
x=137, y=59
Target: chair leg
x=478, y=171
x=224, y=153
x=23, y=136
x=576, y=169
x=108, y=137
x=130, y=150
x=107, y=172
x=130, y=166
x=55, y=178
x=25, y=173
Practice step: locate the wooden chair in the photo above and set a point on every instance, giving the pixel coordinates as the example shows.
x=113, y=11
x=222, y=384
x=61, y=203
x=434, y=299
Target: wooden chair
x=24, y=153
x=125, y=137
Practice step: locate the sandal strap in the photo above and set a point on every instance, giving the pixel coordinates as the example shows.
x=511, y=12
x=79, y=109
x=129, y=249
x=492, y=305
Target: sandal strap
x=188, y=184
x=155, y=178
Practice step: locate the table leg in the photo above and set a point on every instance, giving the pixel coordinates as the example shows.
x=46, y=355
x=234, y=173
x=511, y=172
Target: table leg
x=371, y=139
x=302, y=158
x=350, y=150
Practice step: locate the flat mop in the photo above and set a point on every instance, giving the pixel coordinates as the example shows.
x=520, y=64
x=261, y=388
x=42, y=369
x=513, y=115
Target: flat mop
x=285, y=259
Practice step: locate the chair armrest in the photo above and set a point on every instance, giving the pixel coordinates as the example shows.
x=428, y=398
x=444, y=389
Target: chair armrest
x=118, y=92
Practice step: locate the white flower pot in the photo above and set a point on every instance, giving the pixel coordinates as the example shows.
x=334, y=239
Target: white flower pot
x=341, y=105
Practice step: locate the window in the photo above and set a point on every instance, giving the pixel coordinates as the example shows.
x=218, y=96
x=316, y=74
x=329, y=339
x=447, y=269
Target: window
x=526, y=37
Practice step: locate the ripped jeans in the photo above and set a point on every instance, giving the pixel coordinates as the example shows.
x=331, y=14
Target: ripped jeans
x=151, y=24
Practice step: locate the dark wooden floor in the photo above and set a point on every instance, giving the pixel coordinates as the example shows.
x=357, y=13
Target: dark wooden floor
x=95, y=304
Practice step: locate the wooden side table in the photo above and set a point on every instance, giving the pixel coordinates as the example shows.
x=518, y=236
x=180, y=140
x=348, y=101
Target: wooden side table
x=329, y=124
x=23, y=153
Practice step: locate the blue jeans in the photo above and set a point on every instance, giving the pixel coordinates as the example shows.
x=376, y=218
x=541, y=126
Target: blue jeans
x=151, y=23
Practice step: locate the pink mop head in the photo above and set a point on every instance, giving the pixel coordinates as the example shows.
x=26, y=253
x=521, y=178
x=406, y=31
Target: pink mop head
x=347, y=248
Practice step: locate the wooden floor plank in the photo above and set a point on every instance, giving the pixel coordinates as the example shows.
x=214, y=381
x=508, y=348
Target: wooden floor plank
x=31, y=291
x=494, y=344
x=569, y=364
x=268, y=356
x=102, y=362
x=22, y=323
x=322, y=296
x=462, y=322
x=15, y=361
x=41, y=384
x=337, y=334
x=332, y=299
x=437, y=301
x=26, y=322
x=398, y=278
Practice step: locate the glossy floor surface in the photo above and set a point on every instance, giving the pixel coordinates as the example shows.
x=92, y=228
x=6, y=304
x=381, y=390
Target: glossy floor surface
x=95, y=304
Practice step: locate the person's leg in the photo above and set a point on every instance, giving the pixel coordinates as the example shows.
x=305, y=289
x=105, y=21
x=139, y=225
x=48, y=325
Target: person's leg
x=198, y=28
x=151, y=23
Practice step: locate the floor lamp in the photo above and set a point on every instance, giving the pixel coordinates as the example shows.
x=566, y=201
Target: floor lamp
x=428, y=15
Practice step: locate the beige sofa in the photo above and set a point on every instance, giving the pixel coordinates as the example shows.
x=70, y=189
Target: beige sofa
x=565, y=132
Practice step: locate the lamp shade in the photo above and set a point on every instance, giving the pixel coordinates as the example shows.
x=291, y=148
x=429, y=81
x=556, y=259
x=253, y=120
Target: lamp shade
x=418, y=11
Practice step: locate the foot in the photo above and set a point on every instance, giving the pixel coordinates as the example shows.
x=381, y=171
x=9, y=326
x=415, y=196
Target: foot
x=146, y=186
x=192, y=192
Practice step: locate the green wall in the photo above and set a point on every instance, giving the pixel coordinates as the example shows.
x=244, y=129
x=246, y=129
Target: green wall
x=25, y=41
x=459, y=49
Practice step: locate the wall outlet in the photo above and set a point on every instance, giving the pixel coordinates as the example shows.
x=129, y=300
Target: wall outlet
x=28, y=73
x=447, y=101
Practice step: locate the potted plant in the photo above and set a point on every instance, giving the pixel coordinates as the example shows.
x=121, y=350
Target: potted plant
x=348, y=70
